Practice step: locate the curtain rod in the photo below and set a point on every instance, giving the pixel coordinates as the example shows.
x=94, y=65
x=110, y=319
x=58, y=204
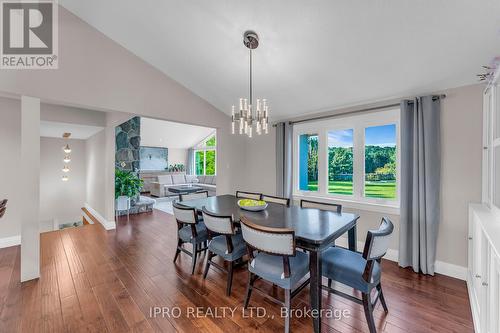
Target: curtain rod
x=436, y=97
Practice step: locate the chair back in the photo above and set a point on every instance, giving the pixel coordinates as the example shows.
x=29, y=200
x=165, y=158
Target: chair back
x=218, y=223
x=122, y=203
x=321, y=205
x=278, y=200
x=377, y=241
x=184, y=214
x=277, y=241
x=248, y=195
x=3, y=207
x=193, y=196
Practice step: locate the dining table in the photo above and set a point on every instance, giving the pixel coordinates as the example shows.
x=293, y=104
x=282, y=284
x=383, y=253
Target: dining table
x=315, y=231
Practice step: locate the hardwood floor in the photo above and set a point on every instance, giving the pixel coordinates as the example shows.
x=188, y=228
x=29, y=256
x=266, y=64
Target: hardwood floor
x=97, y=281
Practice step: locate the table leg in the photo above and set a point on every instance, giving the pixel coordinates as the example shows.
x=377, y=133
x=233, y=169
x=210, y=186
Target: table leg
x=315, y=287
x=351, y=234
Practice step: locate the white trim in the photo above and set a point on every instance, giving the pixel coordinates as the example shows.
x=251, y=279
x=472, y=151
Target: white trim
x=367, y=206
x=108, y=225
x=440, y=267
x=10, y=241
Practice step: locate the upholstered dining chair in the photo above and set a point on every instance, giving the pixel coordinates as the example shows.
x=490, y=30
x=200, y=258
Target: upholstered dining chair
x=193, y=196
x=3, y=207
x=248, y=195
x=361, y=272
x=278, y=200
x=189, y=230
x=273, y=258
x=321, y=205
x=223, y=241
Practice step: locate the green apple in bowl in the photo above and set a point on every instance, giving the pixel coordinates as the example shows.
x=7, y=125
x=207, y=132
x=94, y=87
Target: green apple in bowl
x=252, y=205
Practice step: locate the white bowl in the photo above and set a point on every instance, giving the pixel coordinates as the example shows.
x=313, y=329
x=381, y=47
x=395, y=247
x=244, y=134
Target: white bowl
x=252, y=208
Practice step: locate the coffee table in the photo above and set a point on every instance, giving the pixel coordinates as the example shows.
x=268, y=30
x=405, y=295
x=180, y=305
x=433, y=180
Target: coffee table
x=184, y=189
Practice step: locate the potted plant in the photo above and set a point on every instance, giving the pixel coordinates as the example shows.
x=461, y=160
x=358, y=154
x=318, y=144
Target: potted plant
x=175, y=168
x=128, y=184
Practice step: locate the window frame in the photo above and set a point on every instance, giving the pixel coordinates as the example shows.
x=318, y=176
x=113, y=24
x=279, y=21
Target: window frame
x=358, y=123
x=203, y=147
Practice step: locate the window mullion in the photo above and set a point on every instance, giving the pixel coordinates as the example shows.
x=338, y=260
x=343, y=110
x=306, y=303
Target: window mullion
x=322, y=162
x=358, y=163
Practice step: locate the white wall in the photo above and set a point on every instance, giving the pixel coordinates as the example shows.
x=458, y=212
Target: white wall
x=461, y=126
x=260, y=161
x=59, y=200
x=95, y=170
x=177, y=156
x=461, y=145
x=10, y=160
x=71, y=115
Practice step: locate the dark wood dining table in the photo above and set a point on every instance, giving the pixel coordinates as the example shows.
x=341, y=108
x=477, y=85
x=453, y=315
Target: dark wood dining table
x=315, y=231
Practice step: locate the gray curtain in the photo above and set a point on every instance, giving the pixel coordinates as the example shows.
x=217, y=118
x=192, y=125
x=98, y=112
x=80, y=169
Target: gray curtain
x=284, y=160
x=420, y=183
x=190, y=162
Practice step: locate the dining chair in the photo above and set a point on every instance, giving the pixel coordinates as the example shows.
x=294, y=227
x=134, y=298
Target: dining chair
x=278, y=200
x=3, y=207
x=361, y=272
x=193, y=196
x=273, y=258
x=189, y=230
x=321, y=205
x=223, y=241
x=248, y=195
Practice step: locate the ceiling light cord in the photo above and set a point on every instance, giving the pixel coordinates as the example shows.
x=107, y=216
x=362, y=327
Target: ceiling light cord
x=251, y=83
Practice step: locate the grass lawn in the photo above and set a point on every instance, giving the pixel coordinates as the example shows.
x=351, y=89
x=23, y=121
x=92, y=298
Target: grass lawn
x=385, y=189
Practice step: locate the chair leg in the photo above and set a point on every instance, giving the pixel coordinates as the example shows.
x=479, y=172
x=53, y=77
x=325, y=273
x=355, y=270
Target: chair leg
x=367, y=305
x=177, y=250
x=287, y=306
x=207, y=265
x=229, y=279
x=382, y=299
x=195, y=255
x=329, y=283
x=249, y=290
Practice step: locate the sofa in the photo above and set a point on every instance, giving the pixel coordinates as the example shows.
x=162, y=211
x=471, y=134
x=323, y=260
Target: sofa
x=160, y=187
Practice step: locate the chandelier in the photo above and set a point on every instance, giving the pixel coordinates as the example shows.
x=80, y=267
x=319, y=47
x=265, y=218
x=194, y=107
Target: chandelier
x=246, y=117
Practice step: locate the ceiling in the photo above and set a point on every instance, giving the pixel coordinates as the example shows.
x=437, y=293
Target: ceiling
x=54, y=129
x=313, y=55
x=162, y=133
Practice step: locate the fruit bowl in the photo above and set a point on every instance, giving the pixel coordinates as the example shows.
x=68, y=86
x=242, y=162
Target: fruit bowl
x=252, y=205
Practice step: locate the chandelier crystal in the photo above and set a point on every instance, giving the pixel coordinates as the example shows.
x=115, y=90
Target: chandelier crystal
x=245, y=116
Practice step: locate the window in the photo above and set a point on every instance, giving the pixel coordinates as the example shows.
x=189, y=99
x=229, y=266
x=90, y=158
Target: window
x=380, y=161
x=354, y=159
x=210, y=162
x=308, y=160
x=200, y=162
x=340, y=161
x=205, y=157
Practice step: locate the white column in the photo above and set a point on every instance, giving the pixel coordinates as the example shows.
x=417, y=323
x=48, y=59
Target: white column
x=30, y=186
x=110, y=176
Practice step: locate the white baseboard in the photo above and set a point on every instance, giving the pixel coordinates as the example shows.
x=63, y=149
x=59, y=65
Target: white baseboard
x=452, y=270
x=10, y=241
x=108, y=225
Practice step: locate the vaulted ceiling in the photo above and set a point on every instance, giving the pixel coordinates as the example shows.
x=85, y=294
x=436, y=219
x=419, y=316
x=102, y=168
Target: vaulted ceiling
x=314, y=55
